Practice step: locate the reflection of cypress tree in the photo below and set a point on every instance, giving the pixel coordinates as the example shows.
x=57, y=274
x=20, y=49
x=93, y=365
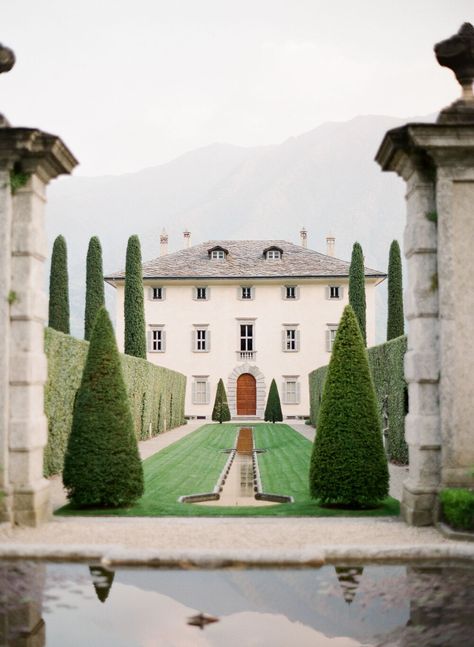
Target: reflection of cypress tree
x=102, y=580
x=349, y=579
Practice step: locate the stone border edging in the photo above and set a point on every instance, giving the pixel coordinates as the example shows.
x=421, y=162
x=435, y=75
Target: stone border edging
x=260, y=494
x=450, y=533
x=110, y=556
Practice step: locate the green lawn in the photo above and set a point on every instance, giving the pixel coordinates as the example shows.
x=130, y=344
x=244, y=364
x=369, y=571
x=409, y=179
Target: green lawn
x=194, y=463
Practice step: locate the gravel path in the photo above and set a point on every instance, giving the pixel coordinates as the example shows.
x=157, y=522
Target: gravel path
x=169, y=533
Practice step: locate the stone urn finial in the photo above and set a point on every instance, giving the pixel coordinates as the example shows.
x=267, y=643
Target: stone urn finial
x=7, y=61
x=457, y=53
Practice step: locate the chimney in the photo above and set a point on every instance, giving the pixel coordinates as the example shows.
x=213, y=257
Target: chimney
x=163, y=242
x=304, y=237
x=187, y=239
x=330, y=244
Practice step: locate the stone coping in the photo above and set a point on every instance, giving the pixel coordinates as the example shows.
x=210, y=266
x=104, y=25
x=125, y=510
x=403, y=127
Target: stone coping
x=111, y=556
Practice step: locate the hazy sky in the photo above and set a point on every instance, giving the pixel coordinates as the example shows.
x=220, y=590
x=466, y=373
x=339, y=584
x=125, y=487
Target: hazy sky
x=134, y=84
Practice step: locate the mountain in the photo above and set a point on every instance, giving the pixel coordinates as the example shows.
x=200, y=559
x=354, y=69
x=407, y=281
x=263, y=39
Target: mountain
x=325, y=179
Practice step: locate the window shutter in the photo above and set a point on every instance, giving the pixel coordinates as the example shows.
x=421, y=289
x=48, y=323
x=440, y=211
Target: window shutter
x=252, y=292
x=194, y=293
x=239, y=293
x=208, y=392
x=297, y=398
x=297, y=340
x=150, y=340
x=283, y=291
x=284, y=392
x=328, y=292
x=341, y=292
x=163, y=294
x=297, y=292
x=283, y=340
x=194, y=392
x=328, y=341
x=208, y=293
x=193, y=340
x=208, y=340
x=150, y=294
x=163, y=340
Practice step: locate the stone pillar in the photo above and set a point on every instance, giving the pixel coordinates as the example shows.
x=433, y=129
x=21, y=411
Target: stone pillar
x=437, y=163
x=30, y=158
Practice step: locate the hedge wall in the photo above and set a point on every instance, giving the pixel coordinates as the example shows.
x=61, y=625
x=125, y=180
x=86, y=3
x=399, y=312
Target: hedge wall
x=156, y=394
x=386, y=364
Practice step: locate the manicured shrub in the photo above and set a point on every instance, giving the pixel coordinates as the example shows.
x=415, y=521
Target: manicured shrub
x=386, y=366
x=395, y=320
x=357, y=287
x=221, y=412
x=348, y=464
x=94, y=285
x=273, y=409
x=134, y=311
x=458, y=507
x=102, y=467
x=58, y=287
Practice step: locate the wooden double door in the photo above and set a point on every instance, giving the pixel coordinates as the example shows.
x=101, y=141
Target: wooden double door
x=246, y=395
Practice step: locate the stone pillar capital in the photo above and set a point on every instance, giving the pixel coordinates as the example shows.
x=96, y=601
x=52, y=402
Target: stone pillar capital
x=33, y=151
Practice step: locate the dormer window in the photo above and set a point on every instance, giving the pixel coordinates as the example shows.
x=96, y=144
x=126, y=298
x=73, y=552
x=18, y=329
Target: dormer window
x=272, y=253
x=217, y=253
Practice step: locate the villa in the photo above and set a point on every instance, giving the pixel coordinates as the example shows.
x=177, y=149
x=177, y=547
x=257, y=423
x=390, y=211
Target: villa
x=246, y=311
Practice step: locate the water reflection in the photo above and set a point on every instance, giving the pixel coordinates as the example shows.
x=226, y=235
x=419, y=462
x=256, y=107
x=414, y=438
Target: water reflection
x=328, y=607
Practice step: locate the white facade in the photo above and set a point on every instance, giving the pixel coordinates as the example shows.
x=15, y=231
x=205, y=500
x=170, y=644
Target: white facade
x=268, y=327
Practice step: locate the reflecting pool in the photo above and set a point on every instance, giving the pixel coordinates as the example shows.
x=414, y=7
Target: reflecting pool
x=334, y=606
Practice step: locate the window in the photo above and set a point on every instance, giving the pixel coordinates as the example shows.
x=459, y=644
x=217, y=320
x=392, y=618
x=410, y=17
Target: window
x=201, y=293
x=290, y=292
x=201, y=339
x=291, y=338
x=246, y=293
x=273, y=254
x=201, y=389
x=291, y=389
x=330, y=336
x=218, y=254
x=246, y=337
x=156, y=339
x=158, y=293
x=334, y=292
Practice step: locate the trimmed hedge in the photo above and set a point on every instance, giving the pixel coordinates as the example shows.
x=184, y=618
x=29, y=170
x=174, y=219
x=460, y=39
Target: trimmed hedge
x=386, y=365
x=458, y=507
x=156, y=394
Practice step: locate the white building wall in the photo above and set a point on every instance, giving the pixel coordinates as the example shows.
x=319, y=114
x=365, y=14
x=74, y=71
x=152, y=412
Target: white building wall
x=179, y=312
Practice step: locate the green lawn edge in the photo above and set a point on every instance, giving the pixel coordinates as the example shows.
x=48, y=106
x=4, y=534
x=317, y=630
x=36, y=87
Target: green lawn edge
x=193, y=464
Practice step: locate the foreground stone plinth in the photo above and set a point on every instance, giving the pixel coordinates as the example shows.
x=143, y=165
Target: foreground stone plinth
x=29, y=159
x=437, y=163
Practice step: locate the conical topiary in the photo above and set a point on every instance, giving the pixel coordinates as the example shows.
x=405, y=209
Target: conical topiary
x=94, y=285
x=221, y=412
x=273, y=409
x=348, y=464
x=395, y=319
x=102, y=466
x=357, y=287
x=134, y=312
x=58, y=287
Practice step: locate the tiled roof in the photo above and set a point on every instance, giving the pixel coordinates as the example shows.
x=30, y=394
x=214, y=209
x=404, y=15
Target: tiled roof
x=245, y=259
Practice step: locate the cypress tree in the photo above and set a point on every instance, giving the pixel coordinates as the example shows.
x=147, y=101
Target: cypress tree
x=58, y=287
x=135, y=338
x=102, y=467
x=357, y=287
x=395, y=320
x=221, y=412
x=94, y=285
x=348, y=463
x=273, y=409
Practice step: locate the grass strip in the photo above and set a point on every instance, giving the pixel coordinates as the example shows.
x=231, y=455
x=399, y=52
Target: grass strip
x=194, y=463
